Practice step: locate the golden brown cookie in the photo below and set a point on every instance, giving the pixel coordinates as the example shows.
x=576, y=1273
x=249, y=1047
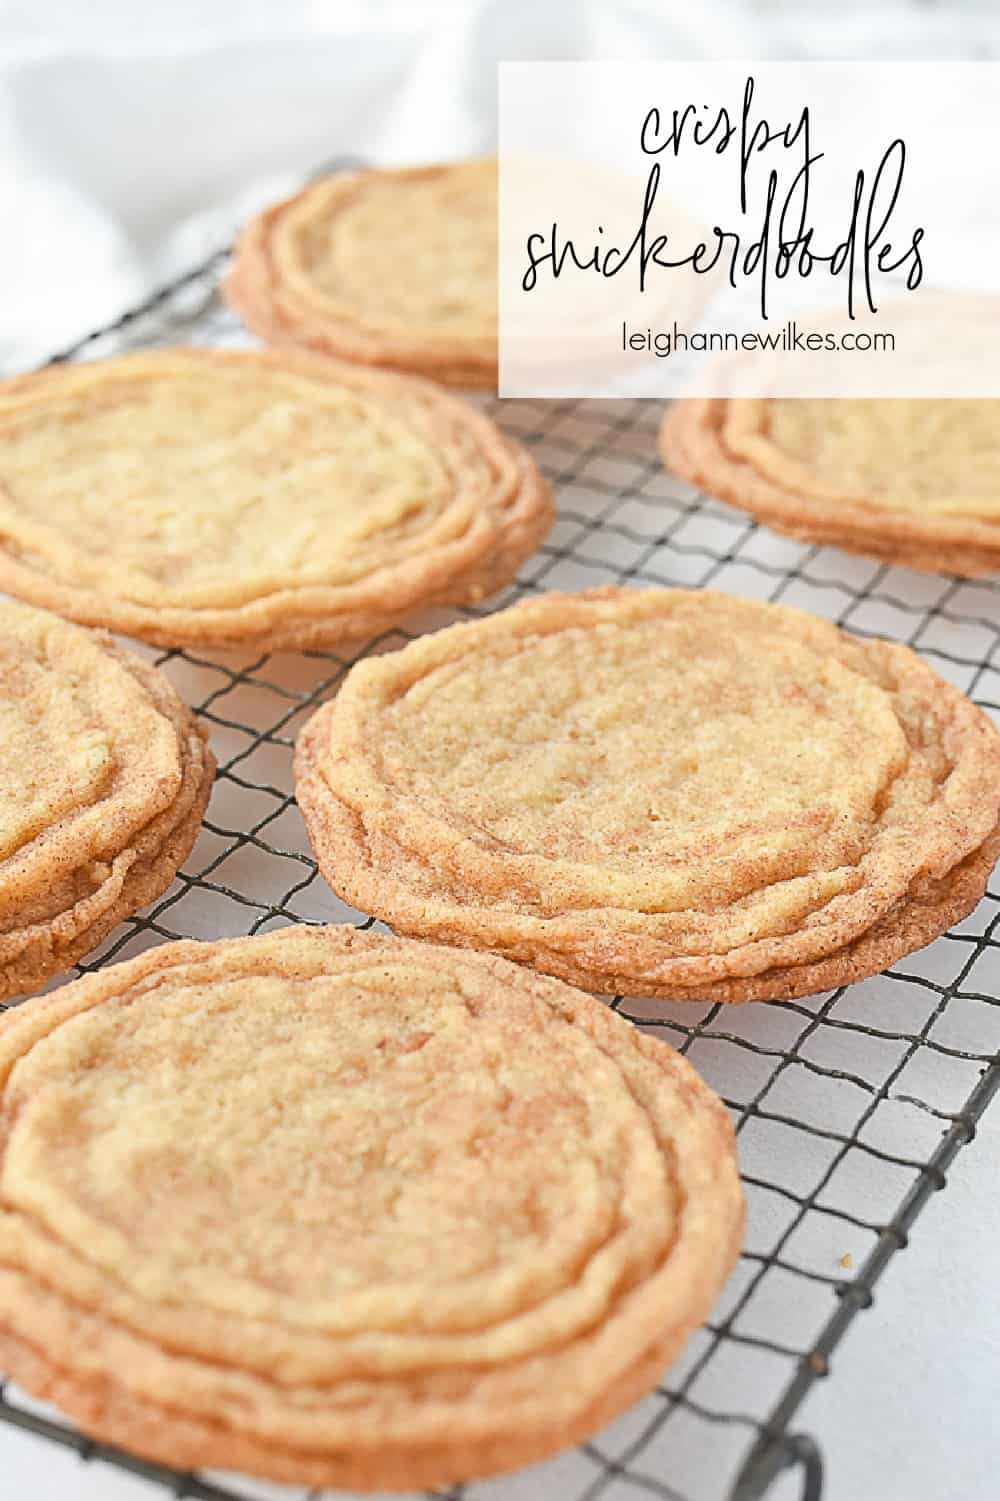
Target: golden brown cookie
x=394, y=268
x=908, y=481
x=104, y=776
x=343, y=1209
x=215, y=498
x=657, y=792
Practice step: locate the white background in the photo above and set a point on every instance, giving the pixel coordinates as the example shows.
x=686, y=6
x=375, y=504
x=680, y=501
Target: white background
x=132, y=138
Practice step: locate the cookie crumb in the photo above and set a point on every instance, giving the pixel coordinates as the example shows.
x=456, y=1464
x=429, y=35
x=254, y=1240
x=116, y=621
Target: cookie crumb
x=845, y=1261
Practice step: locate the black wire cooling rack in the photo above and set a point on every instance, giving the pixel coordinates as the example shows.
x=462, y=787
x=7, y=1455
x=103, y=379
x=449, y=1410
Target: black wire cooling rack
x=849, y=1106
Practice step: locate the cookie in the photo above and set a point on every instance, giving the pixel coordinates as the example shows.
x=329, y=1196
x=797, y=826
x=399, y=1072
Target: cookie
x=344, y=1209
x=657, y=792
x=907, y=481
x=393, y=268
x=215, y=498
x=105, y=776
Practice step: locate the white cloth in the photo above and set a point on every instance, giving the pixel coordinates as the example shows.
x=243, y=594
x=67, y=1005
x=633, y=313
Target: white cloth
x=135, y=139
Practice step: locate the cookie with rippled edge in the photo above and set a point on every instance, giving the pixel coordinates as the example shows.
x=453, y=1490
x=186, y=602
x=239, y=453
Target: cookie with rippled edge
x=215, y=498
x=393, y=268
x=344, y=1209
x=915, y=482
x=105, y=777
x=663, y=792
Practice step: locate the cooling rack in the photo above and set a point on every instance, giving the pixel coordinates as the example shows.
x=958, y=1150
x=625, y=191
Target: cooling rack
x=849, y=1106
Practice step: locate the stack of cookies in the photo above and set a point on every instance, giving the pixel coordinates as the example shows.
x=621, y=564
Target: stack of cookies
x=348, y=1210
x=386, y=268
x=105, y=778
x=353, y=1209
x=660, y=792
x=213, y=498
x=907, y=481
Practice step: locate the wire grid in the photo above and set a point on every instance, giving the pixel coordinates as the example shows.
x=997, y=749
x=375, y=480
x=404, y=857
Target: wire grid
x=849, y=1105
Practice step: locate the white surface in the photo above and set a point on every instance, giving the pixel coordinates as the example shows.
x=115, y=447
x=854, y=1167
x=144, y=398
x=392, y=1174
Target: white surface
x=110, y=141
x=910, y=1409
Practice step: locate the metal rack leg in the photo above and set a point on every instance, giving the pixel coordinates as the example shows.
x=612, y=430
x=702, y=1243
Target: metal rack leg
x=773, y=1454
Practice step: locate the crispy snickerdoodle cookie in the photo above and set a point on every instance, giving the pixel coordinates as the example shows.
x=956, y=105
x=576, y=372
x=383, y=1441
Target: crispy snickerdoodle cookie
x=344, y=1209
x=909, y=481
x=105, y=776
x=215, y=498
x=393, y=268
x=660, y=792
